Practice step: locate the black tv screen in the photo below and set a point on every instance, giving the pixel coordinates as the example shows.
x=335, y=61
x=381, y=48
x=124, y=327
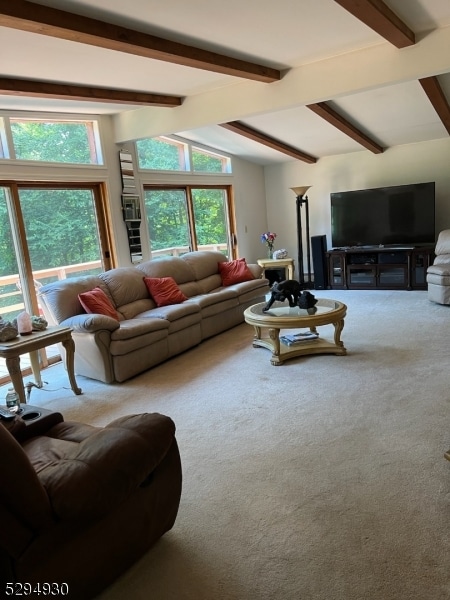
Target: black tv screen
x=402, y=215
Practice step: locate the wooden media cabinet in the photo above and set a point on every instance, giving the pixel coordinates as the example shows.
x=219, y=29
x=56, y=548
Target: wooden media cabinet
x=379, y=267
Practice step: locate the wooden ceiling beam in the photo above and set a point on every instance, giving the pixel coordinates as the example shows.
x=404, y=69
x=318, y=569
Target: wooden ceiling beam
x=42, y=89
x=331, y=116
x=43, y=20
x=265, y=140
x=437, y=98
x=379, y=17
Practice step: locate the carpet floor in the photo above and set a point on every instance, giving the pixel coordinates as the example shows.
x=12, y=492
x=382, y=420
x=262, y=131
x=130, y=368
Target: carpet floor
x=321, y=479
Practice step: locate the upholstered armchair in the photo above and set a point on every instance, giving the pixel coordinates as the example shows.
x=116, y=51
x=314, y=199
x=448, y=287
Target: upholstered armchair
x=438, y=274
x=81, y=504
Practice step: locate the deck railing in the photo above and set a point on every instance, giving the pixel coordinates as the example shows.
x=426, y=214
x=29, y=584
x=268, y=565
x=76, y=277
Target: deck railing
x=38, y=276
x=63, y=272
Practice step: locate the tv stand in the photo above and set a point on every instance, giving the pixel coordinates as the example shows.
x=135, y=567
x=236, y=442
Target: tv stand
x=379, y=267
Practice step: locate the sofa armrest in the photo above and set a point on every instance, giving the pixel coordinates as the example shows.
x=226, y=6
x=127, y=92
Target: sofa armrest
x=90, y=323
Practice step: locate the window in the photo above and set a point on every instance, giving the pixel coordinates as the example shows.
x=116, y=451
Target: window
x=3, y=144
x=66, y=235
x=209, y=162
x=61, y=141
x=162, y=154
x=185, y=218
x=166, y=154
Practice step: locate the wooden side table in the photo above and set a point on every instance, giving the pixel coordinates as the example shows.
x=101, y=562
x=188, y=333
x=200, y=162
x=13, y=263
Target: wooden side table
x=276, y=263
x=12, y=350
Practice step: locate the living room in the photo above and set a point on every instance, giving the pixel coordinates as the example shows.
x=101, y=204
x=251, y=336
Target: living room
x=324, y=477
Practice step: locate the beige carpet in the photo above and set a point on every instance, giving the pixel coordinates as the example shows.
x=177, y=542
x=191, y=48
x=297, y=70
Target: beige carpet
x=321, y=479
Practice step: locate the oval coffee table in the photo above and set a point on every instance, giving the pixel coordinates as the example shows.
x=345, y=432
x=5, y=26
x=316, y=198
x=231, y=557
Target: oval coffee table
x=281, y=316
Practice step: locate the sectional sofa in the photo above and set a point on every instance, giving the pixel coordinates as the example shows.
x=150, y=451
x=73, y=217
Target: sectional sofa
x=140, y=327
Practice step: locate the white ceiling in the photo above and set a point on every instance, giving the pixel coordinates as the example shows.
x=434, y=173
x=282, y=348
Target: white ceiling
x=304, y=38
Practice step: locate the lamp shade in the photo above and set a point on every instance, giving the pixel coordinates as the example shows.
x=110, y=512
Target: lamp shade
x=300, y=191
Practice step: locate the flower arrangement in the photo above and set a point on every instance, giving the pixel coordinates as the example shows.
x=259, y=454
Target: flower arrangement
x=268, y=238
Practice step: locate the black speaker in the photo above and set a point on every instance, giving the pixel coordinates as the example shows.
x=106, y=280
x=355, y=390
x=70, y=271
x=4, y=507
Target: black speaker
x=319, y=259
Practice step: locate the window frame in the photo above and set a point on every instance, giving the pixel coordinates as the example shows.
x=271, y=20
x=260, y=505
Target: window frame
x=94, y=136
x=187, y=189
x=189, y=147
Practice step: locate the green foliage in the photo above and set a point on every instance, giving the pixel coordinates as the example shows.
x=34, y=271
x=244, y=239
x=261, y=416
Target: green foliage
x=210, y=216
x=168, y=222
x=167, y=218
x=8, y=262
x=154, y=153
x=60, y=226
x=163, y=155
x=207, y=163
x=64, y=142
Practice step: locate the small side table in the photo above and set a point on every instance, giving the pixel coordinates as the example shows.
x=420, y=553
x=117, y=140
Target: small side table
x=276, y=263
x=13, y=349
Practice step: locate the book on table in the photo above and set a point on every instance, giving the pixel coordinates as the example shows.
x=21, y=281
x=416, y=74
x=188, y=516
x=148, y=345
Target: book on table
x=292, y=339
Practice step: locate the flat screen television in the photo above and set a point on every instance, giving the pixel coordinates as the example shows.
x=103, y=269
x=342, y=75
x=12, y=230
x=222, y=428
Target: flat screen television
x=402, y=215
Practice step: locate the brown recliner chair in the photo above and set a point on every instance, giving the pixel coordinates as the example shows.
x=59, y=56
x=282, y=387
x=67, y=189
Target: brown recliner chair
x=81, y=504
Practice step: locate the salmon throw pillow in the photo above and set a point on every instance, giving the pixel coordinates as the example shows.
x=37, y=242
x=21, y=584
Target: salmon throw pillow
x=235, y=271
x=97, y=302
x=164, y=290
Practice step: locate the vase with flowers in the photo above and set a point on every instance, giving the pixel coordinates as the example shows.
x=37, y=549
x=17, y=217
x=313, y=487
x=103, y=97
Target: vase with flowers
x=268, y=238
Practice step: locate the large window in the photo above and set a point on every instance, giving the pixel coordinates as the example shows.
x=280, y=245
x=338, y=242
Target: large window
x=48, y=232
x=180, y=216
x=185, y=218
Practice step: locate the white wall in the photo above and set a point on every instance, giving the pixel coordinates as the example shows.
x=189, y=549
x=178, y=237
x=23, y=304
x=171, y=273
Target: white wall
x=413, y=163
x=250, y=208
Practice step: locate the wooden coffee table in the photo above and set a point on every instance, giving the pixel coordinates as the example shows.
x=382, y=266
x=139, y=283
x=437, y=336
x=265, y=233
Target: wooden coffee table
x=282, y=316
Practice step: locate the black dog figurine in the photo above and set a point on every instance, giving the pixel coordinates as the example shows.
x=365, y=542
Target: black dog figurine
x=306, y=300
x=289, y=289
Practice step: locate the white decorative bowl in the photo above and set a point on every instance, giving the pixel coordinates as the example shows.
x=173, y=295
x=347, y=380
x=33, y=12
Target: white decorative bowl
x=282, y=253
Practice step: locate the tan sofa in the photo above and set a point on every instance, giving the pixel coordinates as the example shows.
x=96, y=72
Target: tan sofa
x=146, y=335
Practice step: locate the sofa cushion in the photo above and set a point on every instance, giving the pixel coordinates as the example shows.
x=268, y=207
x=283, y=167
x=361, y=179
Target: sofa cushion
x=203, y=263
x=131, y=310
x=135, y=328
x=123, y=342
x=442, y=259
x=235, y=271
x=173, y=312
x=167, y=266
x=219, y=296
x=97, y=302
x=164, y=290
x=209, y=284
x=125, y=286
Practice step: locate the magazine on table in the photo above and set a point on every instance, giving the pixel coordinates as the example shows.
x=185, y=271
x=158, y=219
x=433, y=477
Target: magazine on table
x=291, y=339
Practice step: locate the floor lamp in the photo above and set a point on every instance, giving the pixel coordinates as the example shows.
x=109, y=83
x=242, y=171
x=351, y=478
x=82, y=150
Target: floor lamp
x=301, y=198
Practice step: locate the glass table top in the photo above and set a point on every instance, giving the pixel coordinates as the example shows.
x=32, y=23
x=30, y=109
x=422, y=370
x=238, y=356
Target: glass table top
x=282, y=309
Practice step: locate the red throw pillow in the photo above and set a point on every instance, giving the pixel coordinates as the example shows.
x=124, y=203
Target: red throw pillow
x=164, y=290
x=235, y=271
x=97, y=302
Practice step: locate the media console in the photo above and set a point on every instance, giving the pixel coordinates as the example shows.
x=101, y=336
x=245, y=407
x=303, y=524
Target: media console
x=379, y=267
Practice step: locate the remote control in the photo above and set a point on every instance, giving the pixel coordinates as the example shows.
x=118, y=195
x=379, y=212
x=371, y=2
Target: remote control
x=6, y=415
